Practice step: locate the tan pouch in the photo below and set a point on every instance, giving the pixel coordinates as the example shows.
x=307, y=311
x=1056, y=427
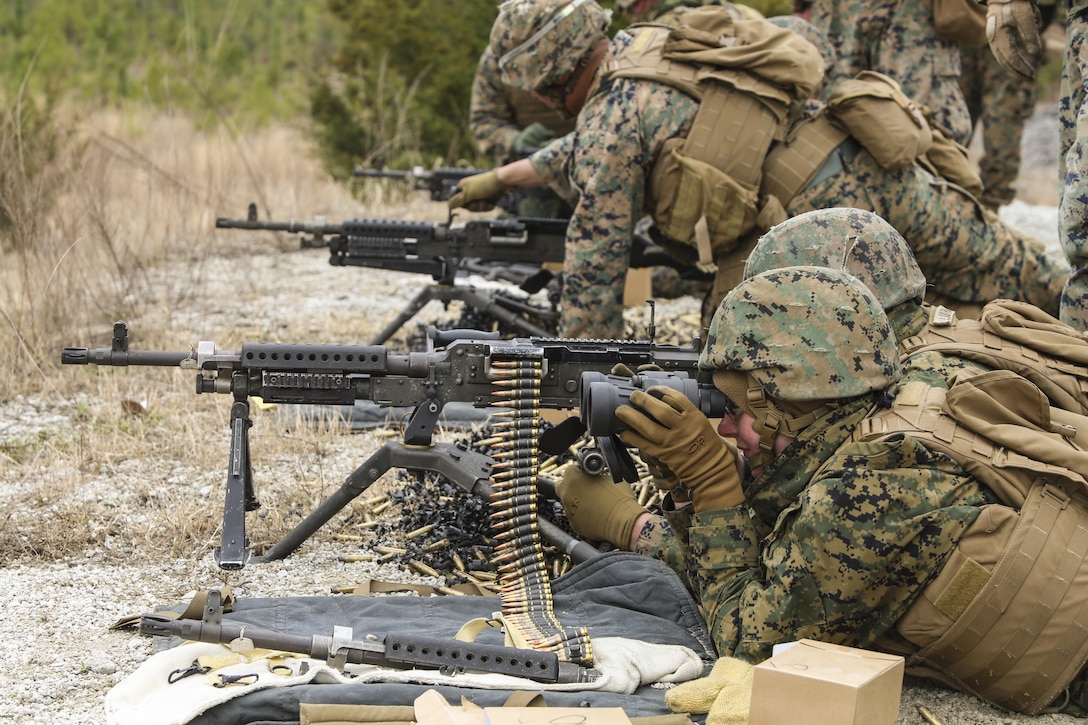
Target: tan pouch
x=961, y=21
x=882, y=118
x=1007, y=617
x=1017, y=336
x=950, y=161
x=699, y=205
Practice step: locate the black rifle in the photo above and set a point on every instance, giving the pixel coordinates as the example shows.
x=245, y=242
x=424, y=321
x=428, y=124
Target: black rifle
x=440, y=250
x=398, y=651
x=456, y=367
x=440, y=183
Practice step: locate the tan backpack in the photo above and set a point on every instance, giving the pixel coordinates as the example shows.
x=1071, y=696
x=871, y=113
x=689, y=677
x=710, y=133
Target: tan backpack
x=891, y=126
x=1006, y=616
x=1016, y=336
x=750, y=77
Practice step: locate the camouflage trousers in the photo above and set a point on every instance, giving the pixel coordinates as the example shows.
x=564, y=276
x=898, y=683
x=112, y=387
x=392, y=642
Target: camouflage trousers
x=1001, y=102
x=966, y=252
x=1073, y=168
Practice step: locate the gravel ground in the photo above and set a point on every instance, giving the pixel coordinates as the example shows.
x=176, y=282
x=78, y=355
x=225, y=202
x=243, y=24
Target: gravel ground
x=59, y=657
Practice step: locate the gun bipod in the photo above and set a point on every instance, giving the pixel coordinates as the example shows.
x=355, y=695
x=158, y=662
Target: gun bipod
x=467, y=468
x=507, y=311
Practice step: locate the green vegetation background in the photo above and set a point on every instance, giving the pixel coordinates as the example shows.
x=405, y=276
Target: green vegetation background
x=376, y=81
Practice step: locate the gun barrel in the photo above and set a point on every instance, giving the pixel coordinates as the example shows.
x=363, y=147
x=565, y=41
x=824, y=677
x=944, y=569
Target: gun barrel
x=383, y=173
x=292, y=226
x=122, y=358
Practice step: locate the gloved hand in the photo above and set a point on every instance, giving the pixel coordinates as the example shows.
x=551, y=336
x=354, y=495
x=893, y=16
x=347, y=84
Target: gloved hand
x=1012, y=29
x=663, y=479
x=531, y=138
x=669, y=428
x=599, y=509
x=478, y=192
x=725, y=694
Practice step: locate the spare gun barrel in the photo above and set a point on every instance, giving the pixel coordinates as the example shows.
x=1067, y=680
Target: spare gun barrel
x=390, y=650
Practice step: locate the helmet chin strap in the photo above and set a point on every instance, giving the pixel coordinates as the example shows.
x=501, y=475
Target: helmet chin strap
x=771, y=418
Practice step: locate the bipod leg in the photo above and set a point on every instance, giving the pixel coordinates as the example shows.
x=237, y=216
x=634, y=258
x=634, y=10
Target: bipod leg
x=233, y=551
x=468, y=469
x=488, y=303
x=416, y=304
x=483, y=302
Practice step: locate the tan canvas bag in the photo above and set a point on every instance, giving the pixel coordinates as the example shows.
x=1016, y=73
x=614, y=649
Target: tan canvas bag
x=882, y=118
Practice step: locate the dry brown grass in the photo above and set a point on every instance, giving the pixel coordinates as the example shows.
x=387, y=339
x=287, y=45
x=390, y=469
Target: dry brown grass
x=132, y=237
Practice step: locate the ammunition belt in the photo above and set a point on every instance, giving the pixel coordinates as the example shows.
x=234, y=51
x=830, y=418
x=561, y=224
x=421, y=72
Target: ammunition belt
x=525, y=588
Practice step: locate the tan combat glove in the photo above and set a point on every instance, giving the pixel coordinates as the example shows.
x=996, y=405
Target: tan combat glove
x=599, y=509
x=725, y=694
x=1012, y=30
x=663, y=479
x=671, y=430
x=478, y=192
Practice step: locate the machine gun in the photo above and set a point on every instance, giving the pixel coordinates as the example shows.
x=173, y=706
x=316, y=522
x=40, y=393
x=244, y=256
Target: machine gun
x=509, y=250
x=398, y=651
x=440, y=183
x=458, y=366
x=440, y=250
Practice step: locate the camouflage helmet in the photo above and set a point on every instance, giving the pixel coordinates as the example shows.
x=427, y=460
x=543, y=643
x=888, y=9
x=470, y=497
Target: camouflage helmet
x=853, y=240
x=804, y=334
x=538, y=42
x=809, y=32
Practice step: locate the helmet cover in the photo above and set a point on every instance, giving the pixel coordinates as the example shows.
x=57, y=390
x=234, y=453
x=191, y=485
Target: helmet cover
x=804, y=334
x=852, y=240
x=539, y=42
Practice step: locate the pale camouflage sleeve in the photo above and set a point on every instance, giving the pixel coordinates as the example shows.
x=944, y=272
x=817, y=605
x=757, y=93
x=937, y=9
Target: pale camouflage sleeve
x=656, y=540
x=553, y=164
x=1073, y=165
x=619, y=133
x=843, y=562
x=491, y=116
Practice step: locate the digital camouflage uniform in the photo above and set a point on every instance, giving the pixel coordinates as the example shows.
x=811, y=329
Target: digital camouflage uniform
x=497, y=113
x=605, y=164
x=860, y=242
x=1002, y=103
x=836, y=538
x=1073, y=165
x=866, y=246
x=966, y=252
x=897, y=38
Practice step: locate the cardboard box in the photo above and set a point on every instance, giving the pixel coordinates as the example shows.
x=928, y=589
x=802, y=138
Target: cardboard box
x=826, y=684
x=555, y=716
x=639, y=286
x=431, y=708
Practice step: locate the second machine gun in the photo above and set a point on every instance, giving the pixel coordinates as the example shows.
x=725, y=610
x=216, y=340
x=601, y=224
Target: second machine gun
x=458, y=366
x=440, y=183
x=440, y=250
